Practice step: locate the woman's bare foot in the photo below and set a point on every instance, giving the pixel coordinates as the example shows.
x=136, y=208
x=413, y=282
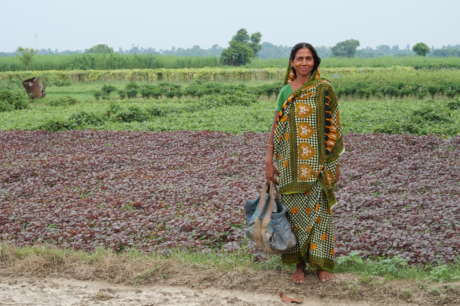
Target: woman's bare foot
x=299, y=275
x=324, y=276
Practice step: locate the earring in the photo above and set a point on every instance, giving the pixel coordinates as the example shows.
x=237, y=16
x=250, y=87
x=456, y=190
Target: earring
x=291, y=75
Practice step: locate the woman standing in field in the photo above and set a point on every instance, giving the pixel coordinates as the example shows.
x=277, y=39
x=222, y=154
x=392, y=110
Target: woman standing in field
x=303, y=149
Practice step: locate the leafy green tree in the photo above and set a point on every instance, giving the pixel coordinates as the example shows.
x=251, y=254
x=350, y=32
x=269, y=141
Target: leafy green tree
x=421, y=49
x=241, y=36
x=26, y=56
x=100, y=48
x=345, y=48
x=242, y=48
x=255, y=42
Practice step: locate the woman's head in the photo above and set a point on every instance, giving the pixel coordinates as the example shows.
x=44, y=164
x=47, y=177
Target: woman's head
x=303, y=56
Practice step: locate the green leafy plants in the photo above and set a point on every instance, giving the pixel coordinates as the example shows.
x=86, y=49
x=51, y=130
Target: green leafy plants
x=112, y=110
x=454, y=105
x=54, y=125
x=84, y=119
x=446, y=273
x=133, y=113
x=12, y=100
x=62, y=101
x=237, y=98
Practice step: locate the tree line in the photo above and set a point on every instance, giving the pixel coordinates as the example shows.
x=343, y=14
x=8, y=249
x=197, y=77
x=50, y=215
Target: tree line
x=243, y=47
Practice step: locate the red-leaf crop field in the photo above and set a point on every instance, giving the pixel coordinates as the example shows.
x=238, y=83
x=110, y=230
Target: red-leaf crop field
x=398, y=194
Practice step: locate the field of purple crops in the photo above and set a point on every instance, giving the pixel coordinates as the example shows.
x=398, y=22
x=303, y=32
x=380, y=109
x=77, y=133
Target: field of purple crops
x=399, y=194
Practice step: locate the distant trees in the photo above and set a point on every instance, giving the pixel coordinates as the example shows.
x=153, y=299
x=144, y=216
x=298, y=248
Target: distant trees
x=421, y=49
x=345, y=48
x=26, y=56
x=242, y=48
x=447, y=51
x=269, y=50
x=383, y=50
x=100, y=48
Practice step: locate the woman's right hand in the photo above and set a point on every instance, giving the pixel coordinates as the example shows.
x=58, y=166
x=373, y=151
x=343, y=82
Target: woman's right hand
x=270, y=172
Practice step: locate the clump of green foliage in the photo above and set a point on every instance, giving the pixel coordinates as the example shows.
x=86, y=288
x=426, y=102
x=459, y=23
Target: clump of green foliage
x=54, y=125
x=105, y=92
x=81, y=119
x=133, y=113
x=75, y=121
x=398, y=268
x=429, y=119
x=132, y=90
x=240, y=98
x=62, y=101
x=12, y=99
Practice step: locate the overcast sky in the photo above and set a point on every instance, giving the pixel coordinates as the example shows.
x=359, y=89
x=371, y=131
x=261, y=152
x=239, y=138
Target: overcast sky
x=80, y=24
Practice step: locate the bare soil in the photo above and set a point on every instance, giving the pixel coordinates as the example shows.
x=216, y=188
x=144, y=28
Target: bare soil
x=48, y=276
x=211, y=288
x=55, y=291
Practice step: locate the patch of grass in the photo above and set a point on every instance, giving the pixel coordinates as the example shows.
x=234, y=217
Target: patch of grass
x=61, y=101
x=240, y=260
x=398, y=268
x=419, y=117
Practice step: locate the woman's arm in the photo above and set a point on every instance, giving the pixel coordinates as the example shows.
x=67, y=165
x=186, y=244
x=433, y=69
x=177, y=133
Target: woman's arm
x=270, y=170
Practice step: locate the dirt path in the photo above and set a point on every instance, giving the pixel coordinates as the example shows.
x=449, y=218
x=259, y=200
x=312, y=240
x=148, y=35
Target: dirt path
x=58, y=291
x=42, y=276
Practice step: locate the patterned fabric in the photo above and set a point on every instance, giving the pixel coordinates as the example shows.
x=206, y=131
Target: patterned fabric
x=307, y=143
x=311, y=221
x=308, y=139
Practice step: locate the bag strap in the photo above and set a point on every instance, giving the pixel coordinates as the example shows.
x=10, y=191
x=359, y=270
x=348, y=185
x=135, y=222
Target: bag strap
x=257, y=228
x=267, y=216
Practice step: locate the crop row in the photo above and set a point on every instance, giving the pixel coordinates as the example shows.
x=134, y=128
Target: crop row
x=107, y=61
x=361, y=83
x=416, y=62
x=358, y=85
x=152, y=61
x=153, y=191
x=176, y=75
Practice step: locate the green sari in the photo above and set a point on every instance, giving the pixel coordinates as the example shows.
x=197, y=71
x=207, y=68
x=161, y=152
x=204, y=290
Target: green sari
x=307, y=144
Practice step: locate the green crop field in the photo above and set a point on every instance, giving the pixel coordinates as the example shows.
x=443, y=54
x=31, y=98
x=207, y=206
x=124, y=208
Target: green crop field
x=226, y=108
x=152, y=61
x=398, y=82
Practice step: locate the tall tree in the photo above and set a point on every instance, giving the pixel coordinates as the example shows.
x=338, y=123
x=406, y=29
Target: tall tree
x=26, y=56
x=242, y=48
x=255, y=42
x=421, y=49
x=345, y=48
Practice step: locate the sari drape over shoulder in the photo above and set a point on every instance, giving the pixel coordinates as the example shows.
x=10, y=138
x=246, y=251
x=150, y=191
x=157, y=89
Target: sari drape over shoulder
x=307, y=144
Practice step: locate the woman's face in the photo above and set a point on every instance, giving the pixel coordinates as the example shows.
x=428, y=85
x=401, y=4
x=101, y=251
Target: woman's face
x=303, y=62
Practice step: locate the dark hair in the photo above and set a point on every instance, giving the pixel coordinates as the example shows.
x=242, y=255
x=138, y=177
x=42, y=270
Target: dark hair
x=301, y=45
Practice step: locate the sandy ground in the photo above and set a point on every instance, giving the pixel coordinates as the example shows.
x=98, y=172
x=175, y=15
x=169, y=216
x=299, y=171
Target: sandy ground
x=58, y=291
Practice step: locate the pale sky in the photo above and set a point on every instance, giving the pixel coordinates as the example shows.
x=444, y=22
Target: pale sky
x=80, y=24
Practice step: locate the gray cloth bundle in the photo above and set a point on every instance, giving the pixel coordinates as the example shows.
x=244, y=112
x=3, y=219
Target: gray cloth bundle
x=266, y=222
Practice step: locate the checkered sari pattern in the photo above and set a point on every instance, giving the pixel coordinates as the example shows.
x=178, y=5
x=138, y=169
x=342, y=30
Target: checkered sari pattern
x=308, y=139
x=307, y=134
x=307, y=143
x=311, y=221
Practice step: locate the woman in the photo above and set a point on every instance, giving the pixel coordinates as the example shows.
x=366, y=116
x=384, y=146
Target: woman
x=302, y=151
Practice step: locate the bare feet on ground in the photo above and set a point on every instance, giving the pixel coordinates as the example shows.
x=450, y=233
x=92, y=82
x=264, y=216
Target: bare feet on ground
x=299, y=275
x=325, y=276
